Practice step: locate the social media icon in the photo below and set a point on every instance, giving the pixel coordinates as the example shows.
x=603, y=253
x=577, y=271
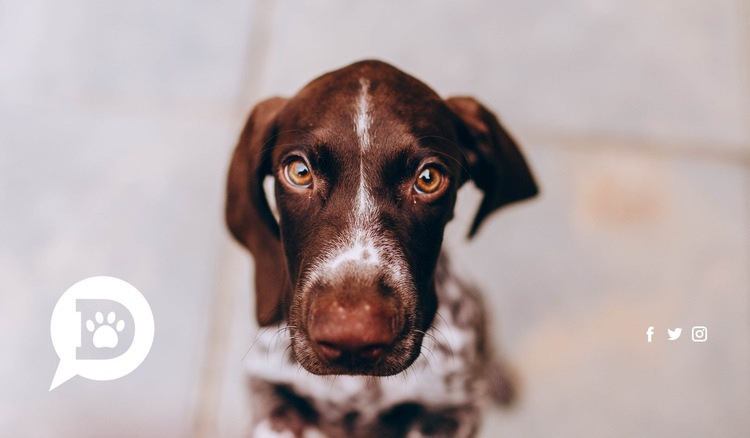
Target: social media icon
x=114, y=340
x=649, y=333
x=674, y=334
x=700, y=333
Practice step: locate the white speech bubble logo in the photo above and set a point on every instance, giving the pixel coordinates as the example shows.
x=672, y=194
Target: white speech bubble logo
x=65, y=328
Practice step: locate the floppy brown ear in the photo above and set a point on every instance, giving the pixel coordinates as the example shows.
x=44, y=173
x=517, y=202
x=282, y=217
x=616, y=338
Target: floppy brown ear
x=495, y=162
x=247, y=212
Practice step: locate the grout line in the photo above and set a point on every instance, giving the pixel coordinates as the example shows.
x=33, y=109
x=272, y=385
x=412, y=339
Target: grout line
x=206, y=420
x=257, y=56
x=113, y=105
x=213, y=368
x=716, y=151
x=747, y=240
x=744, y=54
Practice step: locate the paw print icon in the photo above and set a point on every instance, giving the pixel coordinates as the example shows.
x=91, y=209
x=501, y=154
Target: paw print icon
x=105, y=332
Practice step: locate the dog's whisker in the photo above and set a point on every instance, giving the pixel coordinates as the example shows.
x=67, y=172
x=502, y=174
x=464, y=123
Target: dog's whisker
x=445, y=345
x=438, y=331
x=288, y=351
x=333, y=382
x=300, y=369
x=255, y=341
x=276, y=337
x=427, y=359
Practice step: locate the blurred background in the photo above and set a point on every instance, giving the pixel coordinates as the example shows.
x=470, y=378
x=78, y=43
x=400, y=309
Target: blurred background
x=117, y=120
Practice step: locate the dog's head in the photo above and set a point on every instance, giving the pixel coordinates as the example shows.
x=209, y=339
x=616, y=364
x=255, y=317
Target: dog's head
x=367, y=161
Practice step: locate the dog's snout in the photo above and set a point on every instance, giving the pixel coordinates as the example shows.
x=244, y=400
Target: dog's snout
x=358, y=333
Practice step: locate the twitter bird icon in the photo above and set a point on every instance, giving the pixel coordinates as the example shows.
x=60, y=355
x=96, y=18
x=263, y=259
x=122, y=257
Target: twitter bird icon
x=674, y=334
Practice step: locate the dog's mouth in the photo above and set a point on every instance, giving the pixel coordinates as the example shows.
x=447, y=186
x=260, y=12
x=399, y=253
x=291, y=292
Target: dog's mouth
x=357, y=340
x=376, y=359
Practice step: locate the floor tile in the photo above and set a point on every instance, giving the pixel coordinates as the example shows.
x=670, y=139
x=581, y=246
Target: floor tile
x=620, y=240
x=632, y=69
x=135, y=196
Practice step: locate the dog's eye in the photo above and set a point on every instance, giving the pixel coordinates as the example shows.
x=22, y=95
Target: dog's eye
x=428, y=181
x=298, y=174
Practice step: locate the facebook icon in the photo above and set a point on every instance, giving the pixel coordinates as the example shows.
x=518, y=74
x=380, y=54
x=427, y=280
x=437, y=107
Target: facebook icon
x=649, y=333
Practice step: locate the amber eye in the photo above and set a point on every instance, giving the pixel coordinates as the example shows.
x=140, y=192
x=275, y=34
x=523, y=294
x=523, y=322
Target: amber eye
x=298, y=174
x=428, y=181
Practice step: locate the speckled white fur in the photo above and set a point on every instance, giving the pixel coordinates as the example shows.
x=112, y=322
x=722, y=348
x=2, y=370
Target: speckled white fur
x=264, y=430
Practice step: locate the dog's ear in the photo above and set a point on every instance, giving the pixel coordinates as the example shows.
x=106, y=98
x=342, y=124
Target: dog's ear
x=495, y=162
x=247, y=212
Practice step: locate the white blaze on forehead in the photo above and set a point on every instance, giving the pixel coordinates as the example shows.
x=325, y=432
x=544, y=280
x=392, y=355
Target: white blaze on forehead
x=361, y=241
x=362, y=123
x=362, y=119
x=358, y=240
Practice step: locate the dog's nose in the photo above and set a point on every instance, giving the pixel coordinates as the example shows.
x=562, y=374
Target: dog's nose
x=358, y=334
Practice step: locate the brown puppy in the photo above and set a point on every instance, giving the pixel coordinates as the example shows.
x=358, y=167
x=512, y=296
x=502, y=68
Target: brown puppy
x=367, y=161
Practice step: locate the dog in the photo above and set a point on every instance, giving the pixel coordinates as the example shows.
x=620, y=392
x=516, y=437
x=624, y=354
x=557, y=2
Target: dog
x=366, y=332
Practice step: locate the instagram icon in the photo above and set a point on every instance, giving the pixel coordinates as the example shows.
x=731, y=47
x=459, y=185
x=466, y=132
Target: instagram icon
x=700, y=333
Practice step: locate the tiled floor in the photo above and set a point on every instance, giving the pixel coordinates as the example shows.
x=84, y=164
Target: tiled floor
x=116, y=125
